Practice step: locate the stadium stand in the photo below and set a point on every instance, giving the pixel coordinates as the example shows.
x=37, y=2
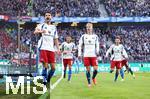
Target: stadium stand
x=135, y=39
x=136, y=42
x=69, y=8
x=14, y=7
x=76, y=8
x=130, y=8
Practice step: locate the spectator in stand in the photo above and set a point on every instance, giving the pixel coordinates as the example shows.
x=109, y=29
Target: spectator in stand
x=14, y=7
x=136, y=40
x=129, y=8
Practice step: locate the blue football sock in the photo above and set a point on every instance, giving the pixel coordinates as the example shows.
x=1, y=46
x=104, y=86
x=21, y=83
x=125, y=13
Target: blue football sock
x=94, y=74
x=88, y=75
x=69, y=74
x=130, y=71
x=116, y=76
x=64, y=73
x=50, y=74
x=122, y=73
x=44, y=74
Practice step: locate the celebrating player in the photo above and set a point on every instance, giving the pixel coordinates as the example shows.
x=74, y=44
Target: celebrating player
x=67, y=48
x=117, y=52
x=48, y=39
x=89, y=43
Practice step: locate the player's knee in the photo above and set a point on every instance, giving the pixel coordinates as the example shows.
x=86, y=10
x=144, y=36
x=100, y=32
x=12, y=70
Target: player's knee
x=70, y=68
x=45, y=65
x=88, y=68
x=65, y=67
x=95, y=67
x=117, y=70
x=53, y=67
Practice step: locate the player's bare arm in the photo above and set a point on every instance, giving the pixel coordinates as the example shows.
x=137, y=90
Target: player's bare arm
x=56, y=42
x=38, y=31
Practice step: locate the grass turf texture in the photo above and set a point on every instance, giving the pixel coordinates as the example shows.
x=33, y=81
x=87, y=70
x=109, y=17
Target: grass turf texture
x=138, y=88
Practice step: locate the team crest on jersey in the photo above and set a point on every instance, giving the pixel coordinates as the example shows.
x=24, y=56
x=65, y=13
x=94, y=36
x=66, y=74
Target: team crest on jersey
x=49, y=32
x=67, y=48
x=118, y=51
x=89, y=41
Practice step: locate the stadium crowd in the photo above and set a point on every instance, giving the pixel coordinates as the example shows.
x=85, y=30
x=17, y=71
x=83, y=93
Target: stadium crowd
x=14, y=7
x=74, y=8
x=69, y=8
x=122, y=8
x=135, y=39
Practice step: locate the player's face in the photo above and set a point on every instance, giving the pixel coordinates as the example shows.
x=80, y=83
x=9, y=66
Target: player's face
x=68, y=39
x=48, y=16
x=89, y=28
x=117, y=41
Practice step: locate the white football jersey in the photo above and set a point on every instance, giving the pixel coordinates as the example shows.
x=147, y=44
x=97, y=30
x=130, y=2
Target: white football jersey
x=46, y=41
x=89, y=44
x=68, y=48
x=118, y=53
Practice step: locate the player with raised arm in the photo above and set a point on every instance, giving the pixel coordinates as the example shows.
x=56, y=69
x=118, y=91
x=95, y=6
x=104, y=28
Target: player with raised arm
x=117, y=52
x=89, y=48
x=46, y=43
x=67, y=49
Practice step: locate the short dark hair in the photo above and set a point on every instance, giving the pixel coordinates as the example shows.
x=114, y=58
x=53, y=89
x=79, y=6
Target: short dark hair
x=118, y=37
x=47, y=12
x=68, y=36
x=44, y=12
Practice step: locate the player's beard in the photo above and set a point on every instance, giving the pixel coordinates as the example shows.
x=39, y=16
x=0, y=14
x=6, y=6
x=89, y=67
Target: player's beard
x=48, y=20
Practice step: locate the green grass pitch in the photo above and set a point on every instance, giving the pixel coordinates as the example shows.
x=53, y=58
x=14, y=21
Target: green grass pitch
x=138, y=88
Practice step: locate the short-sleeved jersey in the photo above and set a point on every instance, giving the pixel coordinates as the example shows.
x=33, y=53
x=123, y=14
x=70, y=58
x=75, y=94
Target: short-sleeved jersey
x=46, y=41
x=117, y=53
x=89, y=44
x=68, y=48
